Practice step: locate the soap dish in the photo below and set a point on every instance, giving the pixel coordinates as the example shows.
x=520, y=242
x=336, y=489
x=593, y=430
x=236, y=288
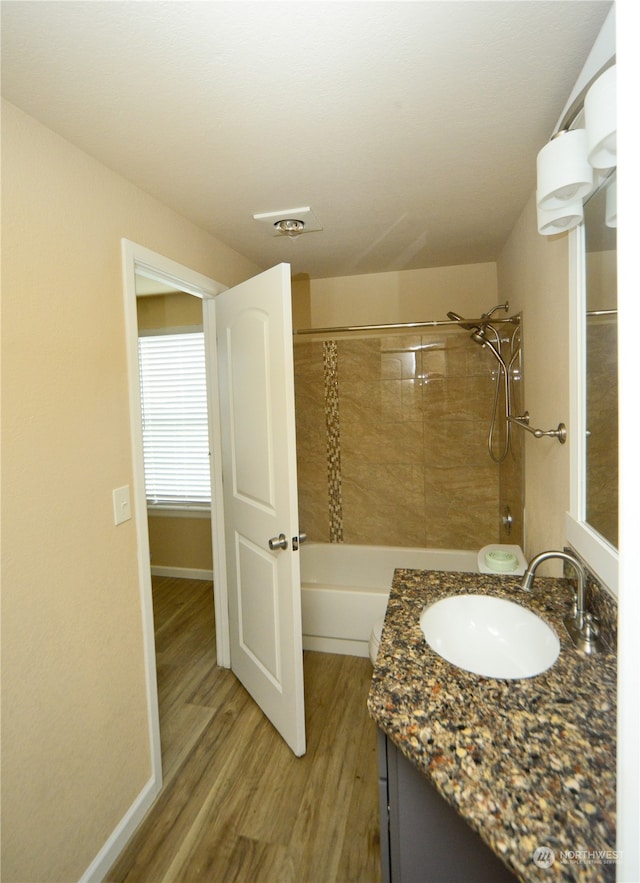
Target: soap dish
x=500, y=558
x=503, y=562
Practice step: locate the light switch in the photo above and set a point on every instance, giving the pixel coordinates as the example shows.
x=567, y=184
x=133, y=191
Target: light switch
x=121, y=504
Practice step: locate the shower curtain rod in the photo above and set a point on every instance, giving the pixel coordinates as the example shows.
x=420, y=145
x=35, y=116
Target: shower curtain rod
x=510, y=320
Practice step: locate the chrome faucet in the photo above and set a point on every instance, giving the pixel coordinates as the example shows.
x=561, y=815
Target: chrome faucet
x=580, y=624
x=527, y=579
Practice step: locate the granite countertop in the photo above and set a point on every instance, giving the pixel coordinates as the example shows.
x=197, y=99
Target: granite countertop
x=528, y=763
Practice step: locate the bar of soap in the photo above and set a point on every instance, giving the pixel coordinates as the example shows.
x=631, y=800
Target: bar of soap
x=501, y=561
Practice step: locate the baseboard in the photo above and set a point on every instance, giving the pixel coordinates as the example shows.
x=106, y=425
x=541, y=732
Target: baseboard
x=342, y=646
x=121, y=835
x=182, y=572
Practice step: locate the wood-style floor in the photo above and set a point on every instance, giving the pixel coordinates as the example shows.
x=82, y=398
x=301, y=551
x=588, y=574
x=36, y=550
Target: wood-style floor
x=236, y=804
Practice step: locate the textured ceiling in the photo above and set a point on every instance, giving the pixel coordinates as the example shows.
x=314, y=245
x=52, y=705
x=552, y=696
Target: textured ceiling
x=410, y=128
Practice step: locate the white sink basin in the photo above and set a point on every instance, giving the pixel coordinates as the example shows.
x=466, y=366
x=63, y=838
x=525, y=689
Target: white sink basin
x=490, y=636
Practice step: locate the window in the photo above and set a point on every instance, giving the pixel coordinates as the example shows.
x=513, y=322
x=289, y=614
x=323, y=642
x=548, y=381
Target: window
x=175, y=430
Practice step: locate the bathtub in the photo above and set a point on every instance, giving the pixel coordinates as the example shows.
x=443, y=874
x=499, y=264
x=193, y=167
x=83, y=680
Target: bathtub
x=345, y=589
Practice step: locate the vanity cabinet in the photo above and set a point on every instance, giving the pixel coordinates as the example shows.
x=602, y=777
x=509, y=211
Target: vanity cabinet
x=422, y=839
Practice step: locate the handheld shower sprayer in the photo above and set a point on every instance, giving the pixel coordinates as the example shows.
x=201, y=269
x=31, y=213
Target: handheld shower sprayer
x=479, y=335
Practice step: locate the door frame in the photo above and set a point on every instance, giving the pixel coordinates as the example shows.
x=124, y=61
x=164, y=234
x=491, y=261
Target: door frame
x=138, y=259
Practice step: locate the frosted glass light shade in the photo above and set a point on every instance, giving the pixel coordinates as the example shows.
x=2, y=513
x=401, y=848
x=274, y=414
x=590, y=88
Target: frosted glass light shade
x=600, y=121
x=564, y=174
x=559, y=220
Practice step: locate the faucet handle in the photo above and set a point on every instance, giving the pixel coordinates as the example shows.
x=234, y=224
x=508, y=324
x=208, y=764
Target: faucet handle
x=574, y=605
x=585, y=634
x=591, y=630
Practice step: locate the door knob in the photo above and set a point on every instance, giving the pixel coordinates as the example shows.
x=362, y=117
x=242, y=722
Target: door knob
x=278, y=542
x=296, y=542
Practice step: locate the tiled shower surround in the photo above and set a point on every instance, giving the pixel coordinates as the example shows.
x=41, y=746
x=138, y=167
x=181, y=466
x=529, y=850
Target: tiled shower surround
x=392, y=441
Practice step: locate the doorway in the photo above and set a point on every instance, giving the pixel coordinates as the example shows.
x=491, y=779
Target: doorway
x=250, y=369
x=177, y=481
x=162, y=274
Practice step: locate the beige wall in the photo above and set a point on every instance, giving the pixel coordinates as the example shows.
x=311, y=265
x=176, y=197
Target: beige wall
x=533, y=273
x=404, y=296
x=300, y=301
x=175, y=310
x=180, y=542
x=75, y=747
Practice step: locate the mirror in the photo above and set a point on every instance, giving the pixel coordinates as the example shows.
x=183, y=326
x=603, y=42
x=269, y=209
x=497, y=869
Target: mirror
x=601, y=359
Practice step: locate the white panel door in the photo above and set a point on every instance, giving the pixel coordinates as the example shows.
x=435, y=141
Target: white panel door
x=255, y=365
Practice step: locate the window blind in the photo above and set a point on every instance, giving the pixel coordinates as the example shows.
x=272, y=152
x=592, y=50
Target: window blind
x=175, y=428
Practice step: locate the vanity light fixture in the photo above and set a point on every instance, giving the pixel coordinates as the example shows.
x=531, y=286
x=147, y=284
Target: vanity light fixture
x=566, y=164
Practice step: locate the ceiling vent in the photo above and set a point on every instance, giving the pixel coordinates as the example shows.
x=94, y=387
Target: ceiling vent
x=290, y=222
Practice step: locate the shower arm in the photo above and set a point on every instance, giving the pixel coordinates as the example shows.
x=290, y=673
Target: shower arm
x=560, y=433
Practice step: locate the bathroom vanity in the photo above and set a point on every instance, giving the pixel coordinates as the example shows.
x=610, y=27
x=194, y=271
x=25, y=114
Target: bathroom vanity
x=476, y=773
x=426, y=839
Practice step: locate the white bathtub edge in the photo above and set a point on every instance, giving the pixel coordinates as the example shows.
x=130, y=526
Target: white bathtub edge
x=341, y=646
x=345, y=589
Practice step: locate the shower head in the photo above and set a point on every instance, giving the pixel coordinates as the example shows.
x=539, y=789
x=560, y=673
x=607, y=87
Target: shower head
x=480, y=336
x=458, y=318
